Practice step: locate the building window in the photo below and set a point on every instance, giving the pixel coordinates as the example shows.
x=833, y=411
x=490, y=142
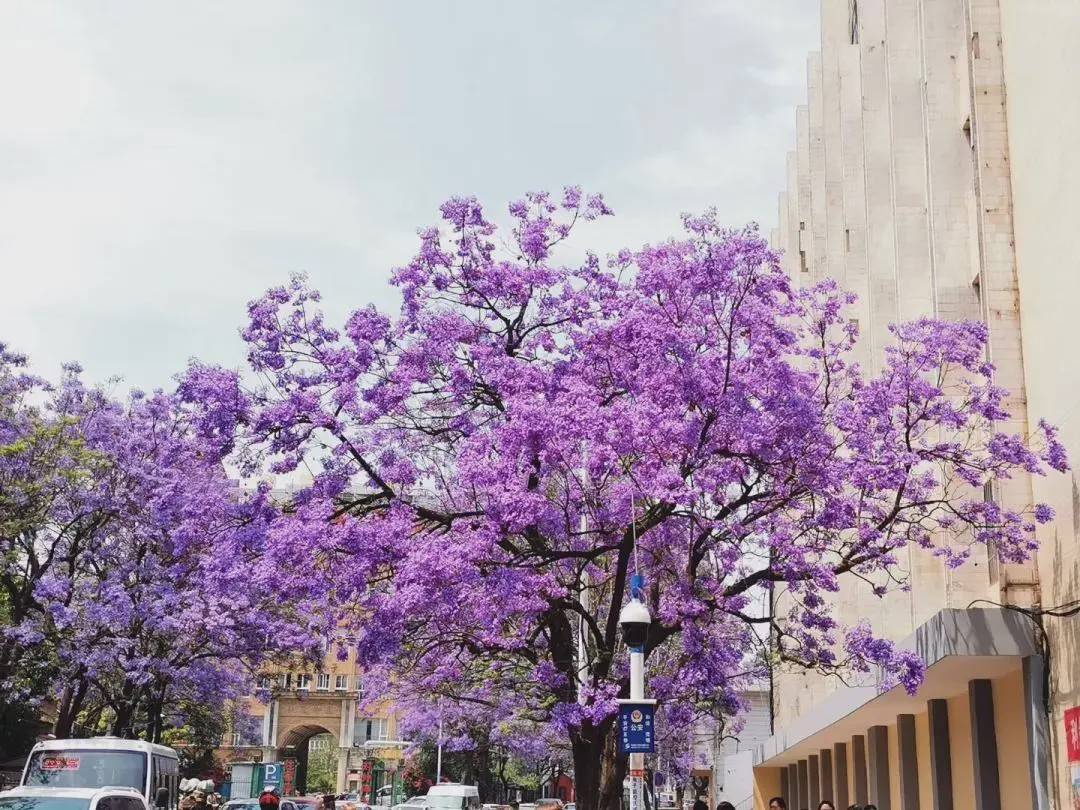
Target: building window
x=265, y=682
x=341, y=683
x=323, y=683
x=303, y=681
x=371, y=728
x=853, y=22
x=286, y=680
x=359, y=686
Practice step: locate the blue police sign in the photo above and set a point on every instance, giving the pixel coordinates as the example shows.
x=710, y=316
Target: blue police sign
x=636, y=734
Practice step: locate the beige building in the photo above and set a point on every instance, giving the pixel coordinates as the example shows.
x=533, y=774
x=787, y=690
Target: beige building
x=306, y=704
x=935, y=174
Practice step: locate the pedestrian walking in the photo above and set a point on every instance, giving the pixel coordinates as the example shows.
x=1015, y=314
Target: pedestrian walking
x=329, y=801
x=725, y=806
x=777, y=803
x=825, y=804
x=699, y=804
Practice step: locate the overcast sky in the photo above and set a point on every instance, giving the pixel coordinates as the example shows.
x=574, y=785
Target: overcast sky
x=163, y=163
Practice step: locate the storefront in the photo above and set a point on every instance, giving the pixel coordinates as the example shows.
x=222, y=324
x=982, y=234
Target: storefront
x=973, y=738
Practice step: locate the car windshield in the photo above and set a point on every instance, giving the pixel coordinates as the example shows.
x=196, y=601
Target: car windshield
x=445, y=802
x=75, y=768
x=43, y=803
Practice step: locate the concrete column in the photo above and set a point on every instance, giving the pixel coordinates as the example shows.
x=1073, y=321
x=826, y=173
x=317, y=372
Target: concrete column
x=827, y=791
x=342, y=769
x=909, y=762
x=813, y=768
x=794, y=801
x=984, y=745
x=275, y=707
x=877, y=767
x=840, y=775
x=858, y=769
x=937, y=712
x=267, y=739
x=785, y=786
x=1038, y=730
x=804, y=786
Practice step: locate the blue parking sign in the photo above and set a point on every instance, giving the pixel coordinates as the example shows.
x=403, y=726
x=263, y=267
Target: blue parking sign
x=272, y=774
x=636, y=732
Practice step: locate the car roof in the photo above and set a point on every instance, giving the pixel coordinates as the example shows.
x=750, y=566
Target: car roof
x=452, y=789
x=103, y=743
x=66, y=793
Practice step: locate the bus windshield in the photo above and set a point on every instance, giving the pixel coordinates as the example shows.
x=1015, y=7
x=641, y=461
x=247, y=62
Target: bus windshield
x=73, y=768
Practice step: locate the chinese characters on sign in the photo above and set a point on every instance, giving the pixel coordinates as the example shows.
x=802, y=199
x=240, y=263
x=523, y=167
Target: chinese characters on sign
x=290, y=777
x=365, y=779
x=1072, y=742
x=636, y=728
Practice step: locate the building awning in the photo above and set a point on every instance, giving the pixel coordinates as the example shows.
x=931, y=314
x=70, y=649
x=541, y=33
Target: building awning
x=954, y=645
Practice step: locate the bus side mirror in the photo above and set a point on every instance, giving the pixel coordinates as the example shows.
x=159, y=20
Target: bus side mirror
x=161, y=798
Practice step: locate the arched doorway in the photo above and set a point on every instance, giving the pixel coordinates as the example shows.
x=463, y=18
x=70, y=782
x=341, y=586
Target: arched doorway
x=295, y=744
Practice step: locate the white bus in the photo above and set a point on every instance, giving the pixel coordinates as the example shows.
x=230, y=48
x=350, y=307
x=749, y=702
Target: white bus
x=100, y=762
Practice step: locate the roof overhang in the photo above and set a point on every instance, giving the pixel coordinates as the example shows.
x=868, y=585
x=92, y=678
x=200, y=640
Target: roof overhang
x=956, y=646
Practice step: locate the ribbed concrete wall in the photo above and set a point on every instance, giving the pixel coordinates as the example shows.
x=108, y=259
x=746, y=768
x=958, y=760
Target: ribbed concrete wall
x=898, y=188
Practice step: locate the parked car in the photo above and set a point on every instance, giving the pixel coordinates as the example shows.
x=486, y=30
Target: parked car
x=59, y=798
x=549, y=804
x=304, y=802
x=452, y=796
x=415, y=803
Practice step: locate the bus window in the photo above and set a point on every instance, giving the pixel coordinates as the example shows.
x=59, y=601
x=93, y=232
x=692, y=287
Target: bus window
x=164, y=774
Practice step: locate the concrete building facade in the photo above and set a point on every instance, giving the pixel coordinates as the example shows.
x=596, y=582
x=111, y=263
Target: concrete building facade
x=935, y=174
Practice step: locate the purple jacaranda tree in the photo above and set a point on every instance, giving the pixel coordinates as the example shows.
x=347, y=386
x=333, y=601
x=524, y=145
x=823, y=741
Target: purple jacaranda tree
x=496, y=460
x=136, y=576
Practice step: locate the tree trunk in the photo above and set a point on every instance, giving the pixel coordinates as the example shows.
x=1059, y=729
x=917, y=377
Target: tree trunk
x=123, y=722
x=70, y=705
x=612, y=772
x=587, y=758
x=598, y=768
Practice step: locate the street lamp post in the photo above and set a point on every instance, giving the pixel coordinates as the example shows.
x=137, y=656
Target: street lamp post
x=634, y=619
x=438, y=756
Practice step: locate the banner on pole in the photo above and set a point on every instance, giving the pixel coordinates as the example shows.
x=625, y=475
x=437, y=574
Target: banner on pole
x=636, y=735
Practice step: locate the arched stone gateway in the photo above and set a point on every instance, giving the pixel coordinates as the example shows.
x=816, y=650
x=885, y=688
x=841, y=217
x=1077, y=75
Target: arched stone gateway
x=295, y=704
x=294, y=744
x=292, y=719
